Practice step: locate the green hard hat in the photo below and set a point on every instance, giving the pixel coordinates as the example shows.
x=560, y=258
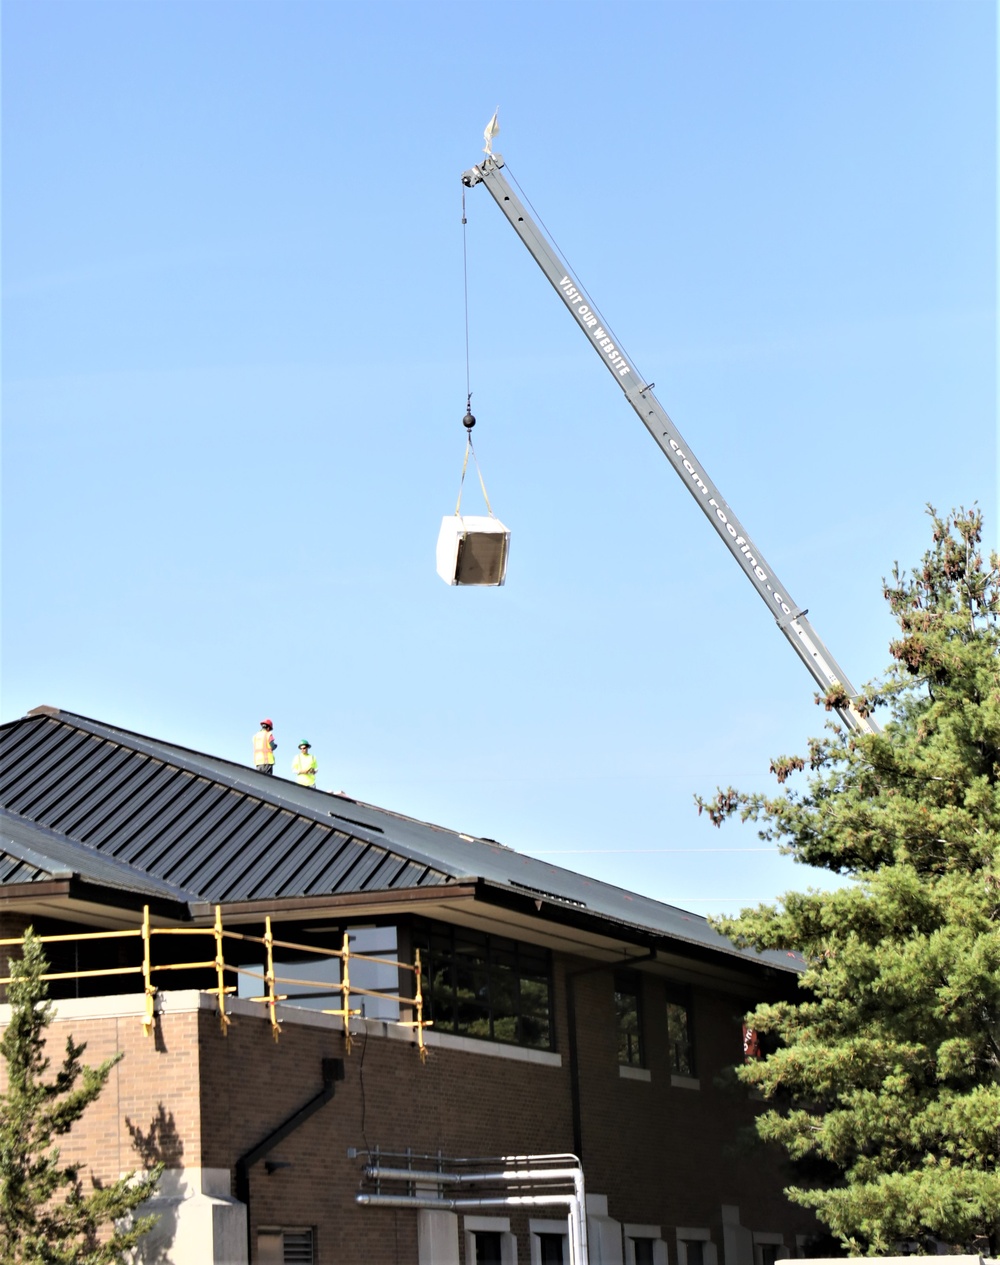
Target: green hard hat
x=303, y=743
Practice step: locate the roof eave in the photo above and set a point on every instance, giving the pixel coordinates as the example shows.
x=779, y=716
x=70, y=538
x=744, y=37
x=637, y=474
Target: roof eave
x=70, y=899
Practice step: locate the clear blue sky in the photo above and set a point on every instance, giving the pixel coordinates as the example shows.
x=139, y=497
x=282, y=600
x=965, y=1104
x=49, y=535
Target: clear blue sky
x=234, y=375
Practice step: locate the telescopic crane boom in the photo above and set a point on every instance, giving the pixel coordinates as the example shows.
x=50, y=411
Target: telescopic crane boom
x=790, y=617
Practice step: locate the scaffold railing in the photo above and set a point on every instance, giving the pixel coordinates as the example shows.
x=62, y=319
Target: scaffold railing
x=272, y=984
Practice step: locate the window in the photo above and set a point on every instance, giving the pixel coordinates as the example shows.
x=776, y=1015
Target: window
x=550, y=1248
x=629, y=1021
x=285, y=1247
x=642, y=1252
x=314, y=982
x=478, y=985
x=643, y=1245
x=487, y=1247
x=549, y=1242
x=679, y=1032
x=695, y=1247
x=768, y=1248
x=488, y=1241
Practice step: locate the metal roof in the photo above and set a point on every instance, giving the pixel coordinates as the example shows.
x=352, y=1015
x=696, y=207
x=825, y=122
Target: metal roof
x=30, y=853
x=114, y=803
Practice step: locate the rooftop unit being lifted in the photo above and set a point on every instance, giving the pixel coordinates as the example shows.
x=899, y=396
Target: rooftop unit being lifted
x=472, y=548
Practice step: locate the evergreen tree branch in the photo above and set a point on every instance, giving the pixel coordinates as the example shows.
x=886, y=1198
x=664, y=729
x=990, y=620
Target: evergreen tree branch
x=883, y=1077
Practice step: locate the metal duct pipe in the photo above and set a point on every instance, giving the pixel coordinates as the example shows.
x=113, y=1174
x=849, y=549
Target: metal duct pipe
x=523, y=1176
x=451, y=1205
x=576, y=1218
x=576, y=1202
x=564, y=1157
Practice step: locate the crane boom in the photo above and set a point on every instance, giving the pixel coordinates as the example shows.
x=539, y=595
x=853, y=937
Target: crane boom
x=790, y=617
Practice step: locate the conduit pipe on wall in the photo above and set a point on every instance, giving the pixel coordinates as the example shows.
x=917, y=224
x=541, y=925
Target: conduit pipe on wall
x=509, y=1175
x=332, y=1070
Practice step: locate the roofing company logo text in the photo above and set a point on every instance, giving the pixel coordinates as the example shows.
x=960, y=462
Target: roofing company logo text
x=588, y=320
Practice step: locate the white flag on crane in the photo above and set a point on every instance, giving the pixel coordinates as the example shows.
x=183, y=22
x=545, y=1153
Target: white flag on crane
x=492, y=127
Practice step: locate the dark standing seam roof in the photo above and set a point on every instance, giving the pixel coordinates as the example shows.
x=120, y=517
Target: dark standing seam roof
x=220, y=832
x=30, y=853
x=171, y=818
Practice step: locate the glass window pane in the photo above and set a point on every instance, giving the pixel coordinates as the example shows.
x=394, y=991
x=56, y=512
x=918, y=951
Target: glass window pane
x=504, y=956
x=536, y=1004
x=679, y=1033
x=478, y=985
x=311, y=984
x=536, y=1032
x=695, y=1252
x=550, y=1248
x=628, y=1019
x=379, y=977
x=642, y=1250
x=487, y=1247
x=504, y=992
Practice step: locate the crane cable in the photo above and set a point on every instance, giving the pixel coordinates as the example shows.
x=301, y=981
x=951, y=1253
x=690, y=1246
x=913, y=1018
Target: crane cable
x=468, y=421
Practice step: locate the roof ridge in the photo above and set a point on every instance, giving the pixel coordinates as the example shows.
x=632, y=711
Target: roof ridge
x=57, y=713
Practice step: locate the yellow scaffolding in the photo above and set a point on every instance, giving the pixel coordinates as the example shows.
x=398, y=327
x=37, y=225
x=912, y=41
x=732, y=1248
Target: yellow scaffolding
x=271, y=994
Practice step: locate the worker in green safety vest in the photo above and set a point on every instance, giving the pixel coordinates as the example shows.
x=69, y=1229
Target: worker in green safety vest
x=304, y=765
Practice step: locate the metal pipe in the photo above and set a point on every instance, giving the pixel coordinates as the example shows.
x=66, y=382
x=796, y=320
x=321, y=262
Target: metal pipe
x=519, y=1177
x=525, y=1176
x=494, y=1201
x=565, y=1157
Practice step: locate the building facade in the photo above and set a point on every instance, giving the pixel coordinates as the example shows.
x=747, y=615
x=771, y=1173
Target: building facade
x=352, y=1037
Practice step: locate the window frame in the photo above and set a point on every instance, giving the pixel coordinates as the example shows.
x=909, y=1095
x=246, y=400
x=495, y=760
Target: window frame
x=763, y=1239
x=324, y=971
x=696, y=1234
x=633, y=1232
x=537, y=1228
x=472, y=1226
x=472, y=978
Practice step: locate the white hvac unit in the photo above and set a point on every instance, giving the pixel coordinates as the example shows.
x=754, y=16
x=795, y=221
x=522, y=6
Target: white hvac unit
x=472, y=550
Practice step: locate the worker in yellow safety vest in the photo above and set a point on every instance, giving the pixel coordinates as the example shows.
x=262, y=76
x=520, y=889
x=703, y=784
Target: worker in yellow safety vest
x=264, y=747
x=304, y=765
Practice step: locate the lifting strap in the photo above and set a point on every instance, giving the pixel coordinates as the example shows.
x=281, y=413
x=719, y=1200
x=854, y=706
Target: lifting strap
x=465, y=464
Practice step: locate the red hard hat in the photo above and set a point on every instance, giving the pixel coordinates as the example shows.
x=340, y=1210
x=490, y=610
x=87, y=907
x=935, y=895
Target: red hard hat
x=270, y=724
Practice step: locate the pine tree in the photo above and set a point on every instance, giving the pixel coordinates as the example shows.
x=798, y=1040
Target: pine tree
x=45, y=1216
x=883, y=1080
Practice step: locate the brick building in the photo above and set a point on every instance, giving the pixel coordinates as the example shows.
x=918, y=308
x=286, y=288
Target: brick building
x=356, y=1038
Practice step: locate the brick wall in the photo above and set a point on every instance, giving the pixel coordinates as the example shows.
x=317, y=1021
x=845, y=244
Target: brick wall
x=667, y=1153
x=149, y=1110
x=663, y=1154
x=460, y=1104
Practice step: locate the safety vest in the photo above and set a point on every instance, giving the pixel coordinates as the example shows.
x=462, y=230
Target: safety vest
x=263, y=743
x=304, y=767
